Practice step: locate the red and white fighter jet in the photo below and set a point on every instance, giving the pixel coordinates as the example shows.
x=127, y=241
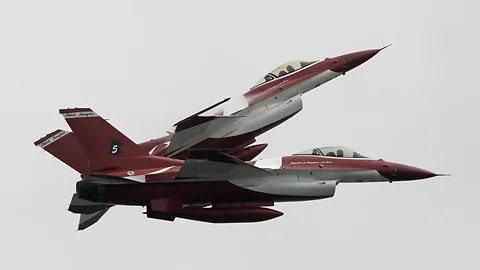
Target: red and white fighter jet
x=270, y=102
x=232, y=125
x=208, y=185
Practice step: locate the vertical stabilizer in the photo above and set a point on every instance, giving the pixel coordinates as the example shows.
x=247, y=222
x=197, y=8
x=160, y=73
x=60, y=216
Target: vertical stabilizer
x=106, y=147
x=99, y=139
x=87, y=220
x=64, y=146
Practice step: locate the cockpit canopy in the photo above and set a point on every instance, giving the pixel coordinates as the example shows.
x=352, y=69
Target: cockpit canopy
x=284, y=70
x=333, y=151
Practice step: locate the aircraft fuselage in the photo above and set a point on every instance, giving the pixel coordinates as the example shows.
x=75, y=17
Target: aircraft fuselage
x=265, y=106
x=290, y=178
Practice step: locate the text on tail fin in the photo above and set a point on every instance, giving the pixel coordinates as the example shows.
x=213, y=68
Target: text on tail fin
x=98, y=137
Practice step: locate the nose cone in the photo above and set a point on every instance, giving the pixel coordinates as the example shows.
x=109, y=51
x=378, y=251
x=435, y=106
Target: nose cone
x=408, y=173
x=353, y=60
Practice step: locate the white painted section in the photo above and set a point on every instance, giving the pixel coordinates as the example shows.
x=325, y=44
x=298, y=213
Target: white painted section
x=289, y=185
x=326, y=76
x=309, y=85
x=153, y=149
x=297, y=188
x=142, y=178
x=161, y=170
x=361, y=177
x=82, y=114
x=138, y=178
x=265, y=115
x=279, y=106
x=270, y=163
x=53, y=138
x=233, y=105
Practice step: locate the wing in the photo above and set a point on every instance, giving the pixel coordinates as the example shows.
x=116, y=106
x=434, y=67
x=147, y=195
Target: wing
x=182, y=123
x=216, y=165
x=196, y=129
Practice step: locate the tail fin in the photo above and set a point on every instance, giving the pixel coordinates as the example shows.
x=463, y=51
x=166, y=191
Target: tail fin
x=87, y=220
x=99, y=139
x=90, y=212
x=64, y=146
x=105, y=146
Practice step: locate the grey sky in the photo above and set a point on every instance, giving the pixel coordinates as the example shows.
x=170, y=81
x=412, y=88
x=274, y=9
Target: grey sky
x=147, y=64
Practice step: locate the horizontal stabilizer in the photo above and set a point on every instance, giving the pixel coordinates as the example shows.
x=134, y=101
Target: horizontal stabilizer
x=87, y=220
x=216, y=165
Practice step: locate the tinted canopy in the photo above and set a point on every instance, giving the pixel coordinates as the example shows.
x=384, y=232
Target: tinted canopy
x=333, y=151
x=284, y=70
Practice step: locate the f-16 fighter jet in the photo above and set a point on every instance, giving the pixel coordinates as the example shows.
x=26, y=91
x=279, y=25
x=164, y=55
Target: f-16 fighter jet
x=208, y=186
x=270, y=102
x=232, y=125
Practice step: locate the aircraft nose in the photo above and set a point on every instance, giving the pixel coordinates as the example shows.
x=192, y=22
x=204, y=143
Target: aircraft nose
x=353, y=60
x=406, y=173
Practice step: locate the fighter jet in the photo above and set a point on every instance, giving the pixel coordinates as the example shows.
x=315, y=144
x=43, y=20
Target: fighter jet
x=232, y=125
x=208, y=186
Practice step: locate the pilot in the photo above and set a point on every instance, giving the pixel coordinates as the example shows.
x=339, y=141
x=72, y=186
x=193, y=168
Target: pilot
x=330, y=154
x=303, y=64
x=316, y=152
x=290, y=68
x=268, y=77
x=339, y=153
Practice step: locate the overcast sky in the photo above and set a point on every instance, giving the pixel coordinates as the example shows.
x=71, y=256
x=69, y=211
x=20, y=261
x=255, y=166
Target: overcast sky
x=147, y=64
